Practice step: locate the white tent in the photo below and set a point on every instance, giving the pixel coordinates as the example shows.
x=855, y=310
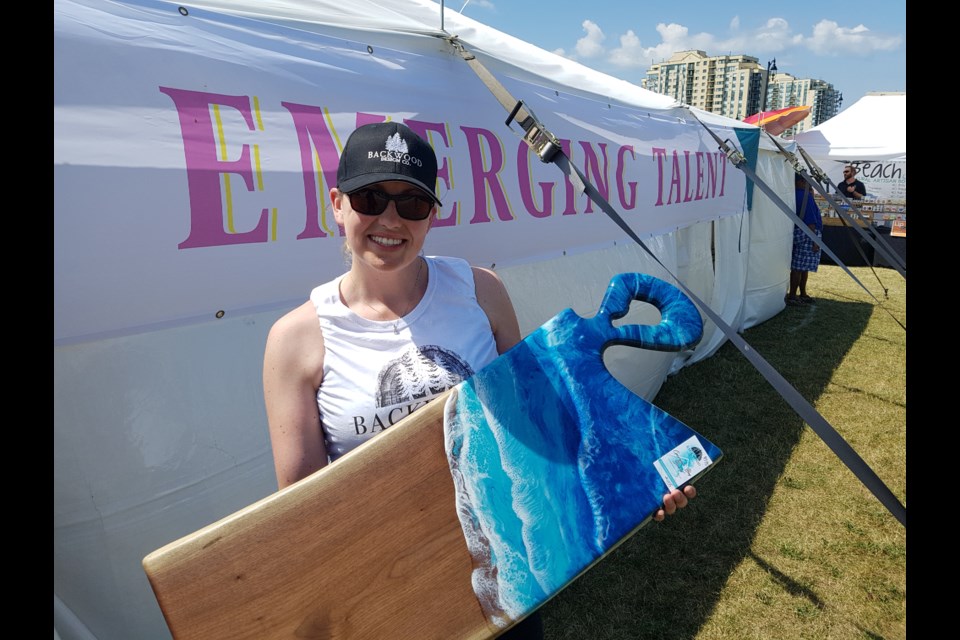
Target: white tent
x=873, y=128
x=192, y=149
x=872, y=134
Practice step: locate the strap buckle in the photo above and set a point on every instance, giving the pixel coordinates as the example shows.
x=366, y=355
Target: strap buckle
x=537, y=136
x=733, y=154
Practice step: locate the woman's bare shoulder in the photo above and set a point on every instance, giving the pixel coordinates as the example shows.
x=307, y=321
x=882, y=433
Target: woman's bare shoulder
x=298, y=321
x=296, y=336
x=487, y=279
x=495, y=302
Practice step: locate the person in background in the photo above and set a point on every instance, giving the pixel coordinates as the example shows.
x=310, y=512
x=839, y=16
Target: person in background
x=357, y=356
x=806, y=253
x=850, y=186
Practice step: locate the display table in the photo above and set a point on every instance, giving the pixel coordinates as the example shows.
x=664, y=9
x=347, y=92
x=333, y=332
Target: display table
x=854, y=251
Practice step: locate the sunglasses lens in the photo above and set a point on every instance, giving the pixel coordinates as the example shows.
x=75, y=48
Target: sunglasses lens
x=372, y=202
x=369, y=202
x=413, y=207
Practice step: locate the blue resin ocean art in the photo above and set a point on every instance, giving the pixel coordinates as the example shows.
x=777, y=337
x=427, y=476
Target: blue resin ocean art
x=554, y=461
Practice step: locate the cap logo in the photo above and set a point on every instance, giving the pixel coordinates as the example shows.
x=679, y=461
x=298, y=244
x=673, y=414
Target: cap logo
x=396, y=150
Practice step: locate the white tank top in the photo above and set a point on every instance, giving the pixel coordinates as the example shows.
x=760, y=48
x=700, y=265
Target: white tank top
x=374, y=376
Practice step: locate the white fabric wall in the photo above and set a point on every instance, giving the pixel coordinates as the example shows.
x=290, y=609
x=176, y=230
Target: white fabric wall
x=770, y=242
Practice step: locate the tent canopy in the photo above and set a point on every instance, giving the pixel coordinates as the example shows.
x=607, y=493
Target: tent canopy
x=396, y=20
x=873, y=128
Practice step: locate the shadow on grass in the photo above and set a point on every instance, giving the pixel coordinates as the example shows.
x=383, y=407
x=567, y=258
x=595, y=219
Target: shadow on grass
x=665, y=580
x=789, y=585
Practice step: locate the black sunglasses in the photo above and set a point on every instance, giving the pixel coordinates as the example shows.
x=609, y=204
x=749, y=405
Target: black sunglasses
x=373, y=202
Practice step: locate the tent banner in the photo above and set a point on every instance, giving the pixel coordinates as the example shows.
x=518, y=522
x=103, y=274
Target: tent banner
x=884, y=179
x=192, y=180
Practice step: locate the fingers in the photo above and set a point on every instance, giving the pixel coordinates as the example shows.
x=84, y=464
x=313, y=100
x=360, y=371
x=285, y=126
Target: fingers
x=674, y=500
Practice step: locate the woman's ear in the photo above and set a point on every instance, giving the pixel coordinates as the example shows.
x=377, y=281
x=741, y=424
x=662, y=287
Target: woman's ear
x=336, y=202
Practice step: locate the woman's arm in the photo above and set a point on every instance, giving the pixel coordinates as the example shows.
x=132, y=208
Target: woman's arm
x=495, y=301
x=292, y=372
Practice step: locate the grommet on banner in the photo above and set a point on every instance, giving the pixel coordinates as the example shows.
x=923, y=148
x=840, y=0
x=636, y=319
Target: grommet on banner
x=220, y=314
x=183, y=11
x=369, y=49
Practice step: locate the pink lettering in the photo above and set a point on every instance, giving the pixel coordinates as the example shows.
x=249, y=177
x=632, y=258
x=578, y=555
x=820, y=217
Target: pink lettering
x=316, y=143
x=486, y=179
x=712, y=161
x=624, y=150
x=659, y=156
x=699, y=177
x=674, y=179
x=204, y=169
x=699, y=195
x=524, y=153
x=600, y=178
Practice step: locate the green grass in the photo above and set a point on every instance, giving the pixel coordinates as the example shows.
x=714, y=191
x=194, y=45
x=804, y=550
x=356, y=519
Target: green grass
x=783, y=540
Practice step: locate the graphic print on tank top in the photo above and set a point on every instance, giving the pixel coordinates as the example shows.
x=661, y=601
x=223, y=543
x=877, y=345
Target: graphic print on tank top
x=420, y=373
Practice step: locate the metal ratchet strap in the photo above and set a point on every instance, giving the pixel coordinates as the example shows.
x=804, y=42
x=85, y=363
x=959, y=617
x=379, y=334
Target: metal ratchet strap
x=548, y=148
x=538, y=138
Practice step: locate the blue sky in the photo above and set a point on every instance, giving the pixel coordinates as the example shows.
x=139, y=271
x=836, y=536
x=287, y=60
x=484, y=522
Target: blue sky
x=857, y=47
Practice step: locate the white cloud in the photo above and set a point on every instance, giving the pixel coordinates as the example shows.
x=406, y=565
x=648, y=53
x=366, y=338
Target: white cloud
x=770, y=38
x=676, y=37
x=831, y=39
x=773, y=37
x=590, y=45
x=630, y=53
x=679, y=36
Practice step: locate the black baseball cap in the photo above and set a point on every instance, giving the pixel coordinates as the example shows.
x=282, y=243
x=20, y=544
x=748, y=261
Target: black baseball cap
x=384, y=151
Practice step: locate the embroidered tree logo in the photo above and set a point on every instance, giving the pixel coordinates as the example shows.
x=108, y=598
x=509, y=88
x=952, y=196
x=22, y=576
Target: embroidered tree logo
x=396, y=144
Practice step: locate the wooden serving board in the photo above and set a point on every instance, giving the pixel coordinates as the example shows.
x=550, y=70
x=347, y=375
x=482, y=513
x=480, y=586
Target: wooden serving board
x=369, y=547
x=465, y=517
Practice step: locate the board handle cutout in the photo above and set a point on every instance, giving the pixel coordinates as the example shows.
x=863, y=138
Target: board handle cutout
x=680, y=326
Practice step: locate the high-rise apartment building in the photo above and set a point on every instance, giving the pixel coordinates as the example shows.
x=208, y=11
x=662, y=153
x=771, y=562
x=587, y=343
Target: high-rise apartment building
x=733, y=86
x=787, y=91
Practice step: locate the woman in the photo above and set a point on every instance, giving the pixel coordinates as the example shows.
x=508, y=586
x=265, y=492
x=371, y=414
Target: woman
x=338, y=369
x=378, y=342
x=805, y=254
